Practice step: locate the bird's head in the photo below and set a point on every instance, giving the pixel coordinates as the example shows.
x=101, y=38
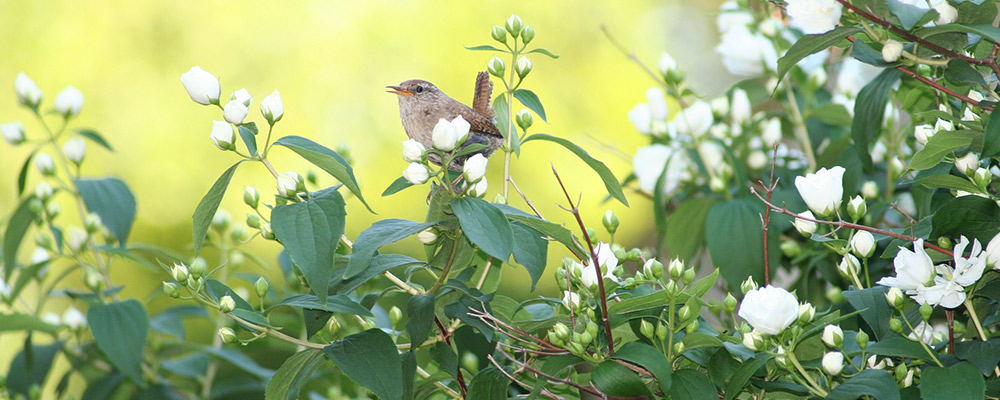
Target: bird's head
x=414, y=89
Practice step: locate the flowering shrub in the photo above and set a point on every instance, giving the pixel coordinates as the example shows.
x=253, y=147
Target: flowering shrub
x=854, y=183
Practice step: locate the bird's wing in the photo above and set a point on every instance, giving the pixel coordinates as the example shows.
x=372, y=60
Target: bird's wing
x=477, y=122
x=484, y=91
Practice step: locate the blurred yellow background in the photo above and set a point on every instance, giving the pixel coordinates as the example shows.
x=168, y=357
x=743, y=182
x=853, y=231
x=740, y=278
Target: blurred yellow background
x=331, y=61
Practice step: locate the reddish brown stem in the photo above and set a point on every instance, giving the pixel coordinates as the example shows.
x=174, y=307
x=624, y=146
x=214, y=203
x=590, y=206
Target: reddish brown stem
x=593, y=258
x=950, y=314
x=766, y=223
x=447, y=339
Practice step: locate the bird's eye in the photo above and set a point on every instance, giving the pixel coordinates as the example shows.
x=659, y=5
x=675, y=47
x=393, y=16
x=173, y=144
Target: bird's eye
x=420, y=89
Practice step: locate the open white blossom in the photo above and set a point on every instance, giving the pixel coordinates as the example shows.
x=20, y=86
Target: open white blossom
x=201, y=85
x=608, y=262
x=770, y=309
x=731, y=15
x=814, y=16
x=695, y=120
x=641, y=117
x=69, y=102
x=649, y=163
x=746, y=54
x=823, y=190
x=914, y=269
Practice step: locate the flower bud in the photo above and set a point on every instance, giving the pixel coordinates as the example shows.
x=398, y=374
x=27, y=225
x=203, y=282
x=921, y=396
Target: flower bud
x=791, y=249
x=806, y=313
x=527, y=34
x=13, y=133
x=946, y=13
x=53, y=210
x=944, y=242
x=235, y=112
x=891, y=51
x=646, y=329
x=496, y=67
x=514, y=25
x=69, y=102
x=77, y=239
x=266, y=231
x=427, y=236
x=895, y=298
x=805, y=227
x=661, y=331
x=271, y=107
x=862, y=339
x=44, y=241
x=833, y=336
x=93, y=280
x=679, y=348
x=780, y=357
x=753, y=340
x=908, y=378
x=222, y=135
x=652, y=268
x=848, y=265
x=923, y=133
x=611, y=222
x=523, y=66
x=982, y=178
x=925, y=311
x=197, y=267
x=227, y=304
x=202, y=86
x=333, y=326
x=748, y=285
x=729, y=303
x=562, y=331
x=45, y=165
x=584, y=338
x=171, y=289
x=499, y=34
x=253, y=221
x=221, y=220
x=896, y=325
x=668, y=68
x=675, y=269
x=771, y=132
x=227, y=335
x=28, y=93
x=251, y=197
x=857, y=208
x=524, y=119
x=967, y=164
x=474, y=168
x=863, y=244
x=413, y=151
x=261, y=287
x=571, y=300
x=288, y=183
x=395, y=315
x=689, y=275
x=833, y=362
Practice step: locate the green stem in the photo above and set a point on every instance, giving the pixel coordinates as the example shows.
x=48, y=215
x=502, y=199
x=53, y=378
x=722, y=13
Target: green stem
x=510, y=118
x=922, y=344
x=975, y=319
x=816, y=388
x=800, y=127
x=220, y=320
x=447, y=266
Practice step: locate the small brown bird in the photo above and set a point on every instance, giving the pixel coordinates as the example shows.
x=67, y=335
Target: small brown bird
x=422, y=105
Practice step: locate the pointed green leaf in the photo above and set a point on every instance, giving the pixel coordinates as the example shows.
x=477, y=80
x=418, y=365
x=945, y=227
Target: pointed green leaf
x=248, y=139
x=30, y=367
x=530, y=250
x=610, y=182
x=485, y=47
x=692, y=384
x=530, y=100
x=396, y=186
x=485, y=226
x=120, y=330
x=960, y=72
x=542, y=51
x=489, y=384
x=293, y=374
x=95, y=137
x=948, y=182
x=310, y=231
x=208, y=205
x=971, y=216
x=22, y=176
x=649, y=358
x=17, y=225
x=869, y=110
x=870, y=382
x=617, y=380
x=327, y=160
x=420, y=317
x=111, y=199
x=370, y=359
x=377, y=235
x=940, y=145
x=812, y=44
x=909, y=15
x=959, y=381
x=334, y=303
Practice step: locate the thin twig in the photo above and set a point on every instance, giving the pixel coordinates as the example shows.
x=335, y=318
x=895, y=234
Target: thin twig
x=446, y=335
x=553, y=379
x=766, y=221
x=544, y=392
x=523, y=196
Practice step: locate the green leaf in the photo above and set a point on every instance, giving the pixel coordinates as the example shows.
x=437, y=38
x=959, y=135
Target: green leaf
x=812, y=44
x=959, y=381
x=24, y=322
x=686, y=227
x=95, y=137
x=988, y=32
x=396, y=186
x=120, y=331
x=617, y=380
x=734, y=237
x=948, y=182
x=489, y=384
x=485, y=226
x=334, y=303
x=377, y=235
x=485, y=47
x=310, y=231
x=238, y=360
x=971, y=216
x=530, y=100
x=208, y=205
x=610, y=182
x=501, y=110
x=542, y=51
x=869, y=110
x=898, y=346
x=553, y=230
x=738, y=381
x=420, y=314
x=327, y=160
x=871, y=382
x=17, y=225
x=30, y=367
x=370, y=359
x=984, y=355
x=940, y=145
x=959, y=72
x=909, y=15
x=991, y=137
x=293, y=374
x=378, y=265
x=874, y=308
x=692, y=384
x=530, y=250
x=22, y=176
x=111, y=199
x=649, y=358
x=249, y=139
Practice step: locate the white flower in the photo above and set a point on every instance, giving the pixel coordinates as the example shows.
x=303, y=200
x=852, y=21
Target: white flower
x=869, y=190
x=75, y=149
x=833, y=362
x=227, y=303
x=478, y=189
x=945, y=292
x=74, y=319
x=992, y=254
x=444, y=137
x=13, y=132
x=943, y=125
x=914, y=269
x=40, y=255
x=922, y=332
x=523, y=66
x=475, y=168
x=222, y=135
x=202, y=86
x=667, y=64
x=968, y=270
x=462, y=128
x=968, y=163
x=649, y=268
x=288, y=183
x=641, y=117
x=69, y=102
x=51, y=319
x=235, y=112
x=571, y=300
x=849, y=265
x=416, y=173
x=923, y=133
x=753, y=340
x=76, y=238
x=891, y=50
x=805, y=227
x=740, y=110
x=427, y=236
x=242, y=96
x=720, y=106
x=731, y=15
x=757, y=160
x=44, y=163
x=769, y=309
x=771, y=132
x=657, y=104
x=695, y=120
x=853, y=76
x=946, y=13
x=413, y=151
x=608, y=262
x=814, y=16
x=894, y=297
x=271, y=108
x=863, y=244
x=4, y=290
x=649, y=163
x=712, y=155
x=746, y=54
x=822, y=191
x=833, y=336
x=28, y=93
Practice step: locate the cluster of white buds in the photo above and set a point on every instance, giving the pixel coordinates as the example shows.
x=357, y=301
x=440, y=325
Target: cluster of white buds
x=203, y=87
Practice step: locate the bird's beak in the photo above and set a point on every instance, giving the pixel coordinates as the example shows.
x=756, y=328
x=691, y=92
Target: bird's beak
x=398, y=90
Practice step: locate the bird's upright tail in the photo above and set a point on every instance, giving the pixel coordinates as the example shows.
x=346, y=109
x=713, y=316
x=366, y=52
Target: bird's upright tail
x=483, y=95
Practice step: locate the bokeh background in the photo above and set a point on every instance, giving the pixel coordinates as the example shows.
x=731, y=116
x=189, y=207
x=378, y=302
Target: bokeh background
x=331, y=61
